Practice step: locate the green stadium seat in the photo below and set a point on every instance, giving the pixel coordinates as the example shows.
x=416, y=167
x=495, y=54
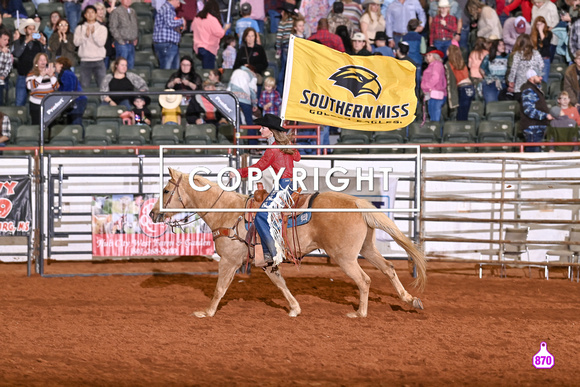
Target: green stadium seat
x=27, y=135
x=502, y=110
x=186, y=41
x=18, y=115
x=142, y=9
x=145, y=43
x=61, y=135
x=227, y=130
x=134, y=134
x=166, y=135
x=145, y=26
x=29, y=7
x=349, y=136
x=146, y=59
x=495, y=132
x=554, y=89
x=159, y=77
x=426, y=134
x=45, y=9
x=97, y=135
x=455, y=132
x=390, y=137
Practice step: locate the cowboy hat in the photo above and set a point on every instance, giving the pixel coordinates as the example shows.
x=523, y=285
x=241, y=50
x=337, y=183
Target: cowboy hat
x=143, y=97
x=359, y=36
x=434, y=50
x=367, y=2
x=25, y=23
x=271, y=121
x=290, y=8
x=170, y=101
x=443, y=4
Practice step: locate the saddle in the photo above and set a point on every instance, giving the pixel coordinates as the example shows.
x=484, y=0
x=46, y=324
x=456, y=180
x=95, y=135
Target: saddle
x=289, y=220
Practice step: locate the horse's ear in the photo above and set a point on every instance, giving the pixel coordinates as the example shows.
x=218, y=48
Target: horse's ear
x=172, y=173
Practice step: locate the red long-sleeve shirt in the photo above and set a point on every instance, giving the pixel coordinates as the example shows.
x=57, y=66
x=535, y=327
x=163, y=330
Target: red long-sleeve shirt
x=276, y=159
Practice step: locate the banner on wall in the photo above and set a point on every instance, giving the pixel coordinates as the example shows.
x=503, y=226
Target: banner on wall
x=327, y=87
x=121, y=227
x=15, y=206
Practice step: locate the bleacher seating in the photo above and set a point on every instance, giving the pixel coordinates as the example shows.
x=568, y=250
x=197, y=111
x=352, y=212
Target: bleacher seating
x=492, y=122
x=429, y=133
x=455, y=132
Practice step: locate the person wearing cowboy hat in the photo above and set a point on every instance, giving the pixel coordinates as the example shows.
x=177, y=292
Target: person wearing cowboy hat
x=434, y=83
x=359, y=45
x=372, y=21
x=170, y=110
x=281, y=161
x=26, y=45
x=443, y=27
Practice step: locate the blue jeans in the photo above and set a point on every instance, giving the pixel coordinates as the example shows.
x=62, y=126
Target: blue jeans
x=21, y=90
x=442, y=45
x=3, y=90
x=274, y=20
x=207, y=58
x=534, y=133
x=434, y=107
x=262, y=226
x=466, y=93
x=247, y=112
x=546, y=74
x=490, y=91
x=126, y=51
x=73, y=14
x=282, y=73
x=167, y=54
x=75, y=116
x=464, y=39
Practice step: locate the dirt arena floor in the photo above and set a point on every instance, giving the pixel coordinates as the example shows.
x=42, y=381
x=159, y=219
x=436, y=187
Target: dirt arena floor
x=138, y=330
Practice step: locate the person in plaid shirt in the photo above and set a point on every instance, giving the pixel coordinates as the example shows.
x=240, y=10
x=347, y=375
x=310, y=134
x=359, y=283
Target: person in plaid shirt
x=5, y=133
x=6, y=60
x=443, y=28
x=270, y=99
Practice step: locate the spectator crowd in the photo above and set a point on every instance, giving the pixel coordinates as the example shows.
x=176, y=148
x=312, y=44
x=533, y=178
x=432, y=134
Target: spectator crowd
x=466, y=52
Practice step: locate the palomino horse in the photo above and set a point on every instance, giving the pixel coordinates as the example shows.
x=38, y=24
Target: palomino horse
x=342, y=236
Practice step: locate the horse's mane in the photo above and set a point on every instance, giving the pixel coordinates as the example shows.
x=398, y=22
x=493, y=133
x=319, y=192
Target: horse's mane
x=201, y=181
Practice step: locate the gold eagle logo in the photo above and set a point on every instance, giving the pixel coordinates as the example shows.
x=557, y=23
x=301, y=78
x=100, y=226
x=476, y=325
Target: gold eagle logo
x=358, y=80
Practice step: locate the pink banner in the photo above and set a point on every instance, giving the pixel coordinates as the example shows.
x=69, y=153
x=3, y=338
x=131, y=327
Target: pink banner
x=122, y=228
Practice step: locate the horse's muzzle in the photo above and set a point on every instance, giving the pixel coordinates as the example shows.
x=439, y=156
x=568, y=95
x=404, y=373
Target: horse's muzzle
x=157, y=218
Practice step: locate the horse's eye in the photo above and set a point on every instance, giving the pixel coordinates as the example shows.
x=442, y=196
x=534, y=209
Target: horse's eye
x=165, y=191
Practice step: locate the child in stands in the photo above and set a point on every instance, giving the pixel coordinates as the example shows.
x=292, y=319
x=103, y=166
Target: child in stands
x=170, y=112
x=270, y=99
x=229, y=53
x=141, y=113
x=570, y=111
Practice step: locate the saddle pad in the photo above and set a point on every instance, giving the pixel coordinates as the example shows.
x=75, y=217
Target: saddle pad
x=301, y=219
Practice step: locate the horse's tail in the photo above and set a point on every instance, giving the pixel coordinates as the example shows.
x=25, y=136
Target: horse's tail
x=383, y=222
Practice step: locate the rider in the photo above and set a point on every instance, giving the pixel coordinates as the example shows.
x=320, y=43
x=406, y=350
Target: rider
x=268, y=224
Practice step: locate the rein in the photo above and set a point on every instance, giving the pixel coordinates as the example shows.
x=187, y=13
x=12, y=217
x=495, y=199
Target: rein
x=185, y=221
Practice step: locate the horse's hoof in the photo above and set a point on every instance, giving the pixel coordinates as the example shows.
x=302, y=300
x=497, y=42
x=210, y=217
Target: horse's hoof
x=354, y=315
x=294, y=313
x=199, y=314
x=417, y=304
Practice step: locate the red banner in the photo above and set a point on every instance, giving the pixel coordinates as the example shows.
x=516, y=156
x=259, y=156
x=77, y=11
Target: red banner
x=122, y=227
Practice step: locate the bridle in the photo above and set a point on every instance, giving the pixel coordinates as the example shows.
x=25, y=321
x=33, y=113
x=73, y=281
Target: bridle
x=187, y=220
